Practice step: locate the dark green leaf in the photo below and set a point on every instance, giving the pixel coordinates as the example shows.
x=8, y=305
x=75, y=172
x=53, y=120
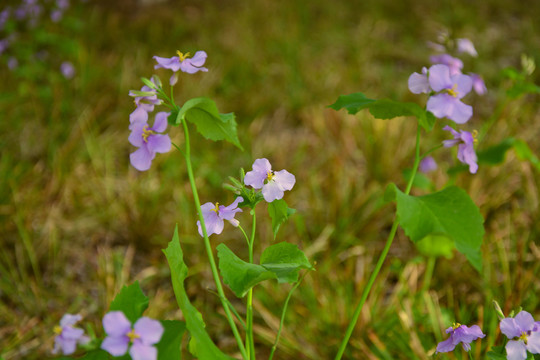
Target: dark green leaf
x=172, y=118
x=353, y=102
x=169, y=347
x=285, y=260
x=201, y=345
x=131, y=301
x=279, y=212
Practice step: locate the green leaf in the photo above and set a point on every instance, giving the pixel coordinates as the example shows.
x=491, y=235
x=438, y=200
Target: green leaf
x=449, y=212
x=210, y=123
x=169, y=347
x=281, y=261
x=421, y=181
x=496, y=355
x=149, y=83
x=285, y=260
x=384, y=109
x=239, y=275
x=201, y=346
x=279, y=212
x=436, y=245
x=91, y=355
x=131, y=301
x=495, y=154
x=171, y=119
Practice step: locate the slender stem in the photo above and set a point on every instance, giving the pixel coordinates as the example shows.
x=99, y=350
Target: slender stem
x=428, y=273
x=207, y=245
x=274, y=347
x=380, y=262
x=250, y=343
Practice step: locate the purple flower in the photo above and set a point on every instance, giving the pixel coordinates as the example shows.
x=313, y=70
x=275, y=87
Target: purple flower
x=182, y=62
x=147, y=101
x=427, y=165
x=12, y=63
x=460, y=334
x=148, y=141
x=453, y=63
x=67, y=69
x=454, y=87
x=466, y=46
x=67, y=336
x=418, y=83
x=214, y=214
x=478, y=84
x=276, y=182
x=465, y=141
x=62, y=4
x=143, y=336
x=56, y=15
x=524, y=335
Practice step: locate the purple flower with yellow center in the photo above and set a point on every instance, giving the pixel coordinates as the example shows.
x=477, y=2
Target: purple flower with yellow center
x=273, y=183
x=183, y=62
x=215, y=214
x=451, y=89
x=460, y=334
x=419, y=83
x=67, y=336
x=466, y=46
x=143, y=336
x=454, y=64
x=465, y=142
x=478, y=84
x=524, y=335
x=149, y=141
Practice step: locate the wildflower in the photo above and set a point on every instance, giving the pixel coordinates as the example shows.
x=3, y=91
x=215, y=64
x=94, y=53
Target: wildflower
x=143, y=336
x=67, y=69
x=148, y=100
x=428, y=164
x=460, y=334
x=524, y=333
x=478, y=84
x=453, y=87
x=466, y=46
x=214, y=214
x=453, y=63
x=465, y=141
x=67, y=336
x=276, y=182
x=182, y=62
x=418, y=83
x=149, y=141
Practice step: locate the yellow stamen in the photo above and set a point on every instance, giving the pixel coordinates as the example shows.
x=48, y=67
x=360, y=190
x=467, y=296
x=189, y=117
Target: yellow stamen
x=216, y=209
x=182, y=56
x=57, y=330
x=132, y=335
x=523, y=337
x=455, y=325
x=453, y=91
x=146, y=133
x=475, y=136
x=269, y=175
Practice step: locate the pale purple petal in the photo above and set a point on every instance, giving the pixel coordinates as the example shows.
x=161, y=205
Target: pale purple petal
x=533, y=342
x=439, y=77
x=466, y=46
x=285, y=179
x=116, y=323
x=479, y=86
x=149, y=330
x=256, y=178
x=136, y=136
x=214, y=224
x=228, y=212
x=69, y=319
x=160, y=124
x=428, y=164
x=199, y=58
x=159, y=143
x=141, y=159
x=167, y=63
x=418, y=83
x=71, y=333
x=454, y=64
x=441, y=105
x=464, y=84
x=139, y=115
x=68, y=346
x=272, y=191
x=524, y=321
x=262, y=166
x=116, y=346
x=460, y=112
x=446, y=345
x=140, y=351
x=516, y=350
x=510, y=328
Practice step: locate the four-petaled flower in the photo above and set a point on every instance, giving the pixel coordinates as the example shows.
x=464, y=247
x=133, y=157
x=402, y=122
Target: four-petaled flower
x=214, y=214
x=273, y=184
x=453, y=87
x=143, y=336
x=148, y=140
x=67, y=336
x=465, y=141
x=460, y=334
x=183, y=62
x=524, y=335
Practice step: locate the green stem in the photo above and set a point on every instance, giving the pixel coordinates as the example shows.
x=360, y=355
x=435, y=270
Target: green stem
x=428, y=273
x=274, y=347
x=207, y=245
x=250, y=343
x=380, y=262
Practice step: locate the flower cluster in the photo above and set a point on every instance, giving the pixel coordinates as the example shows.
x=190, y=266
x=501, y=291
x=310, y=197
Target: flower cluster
x=524, y=335
x=68, y=336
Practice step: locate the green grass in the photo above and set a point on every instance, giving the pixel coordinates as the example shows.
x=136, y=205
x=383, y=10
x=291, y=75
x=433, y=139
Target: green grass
x=77, y=222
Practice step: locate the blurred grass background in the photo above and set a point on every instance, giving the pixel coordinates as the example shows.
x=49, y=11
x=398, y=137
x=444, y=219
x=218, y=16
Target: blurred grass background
x=77, y=222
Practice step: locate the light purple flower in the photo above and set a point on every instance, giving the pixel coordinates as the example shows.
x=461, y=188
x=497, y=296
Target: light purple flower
x=56, y=15
x=149, y=141
x=214, y=214
x=465, y=141
x=62, y=4
x=148, y=101
x=478, y=84
x=419, y=83
x=460, y=334
x=143, y=336
x=427, y=165
x=182, y=62
x=67, y=69
x=273, y=184
x=453, y=87
x=67, y=336
x=466, y=46
x=12, y=63
x=453, y=63
x=524, y=335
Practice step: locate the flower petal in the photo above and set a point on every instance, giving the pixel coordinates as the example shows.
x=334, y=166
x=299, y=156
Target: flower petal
x=167, y=63
x=116, y=346
x=439, y=77
x=149, y=330
x=524, y=321
x=136, y=136
x=285, y=179
x=510, y=328
x=516, y=350
x=140, y=351
x=533, y=343
x=199, y=58
x=464, y=84
x=272, y=191
x=68, y=346
x=256, y=178
x=69, y=332
x=141, y=159
x=440, y=105
x=69, y=319
x=160, y=124
x=418, y=83
x=446, y=345
x=159, y=143
x=460, y=113
x=116, y=324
